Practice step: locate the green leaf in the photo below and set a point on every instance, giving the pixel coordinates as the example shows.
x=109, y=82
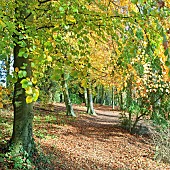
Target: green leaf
x=75, y=9
x=61, y=9
x=86, y=39
x=22, y=53
x=25, y=55
x=22, y=73
x=74, y=73
x=35, y=94
x=21, y=37
x=167, y=63
x=139, y=34
x=1, y=159
x=22, y=43
x=166, y=52
x=32, y=64
x=24, y=66
x=134, y=1
x=26, y=83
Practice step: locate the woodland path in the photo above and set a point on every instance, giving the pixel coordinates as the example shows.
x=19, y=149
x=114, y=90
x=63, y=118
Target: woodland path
x=97, y=143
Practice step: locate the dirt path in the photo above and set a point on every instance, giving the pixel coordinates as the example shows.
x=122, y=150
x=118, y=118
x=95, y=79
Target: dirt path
x=98, y=143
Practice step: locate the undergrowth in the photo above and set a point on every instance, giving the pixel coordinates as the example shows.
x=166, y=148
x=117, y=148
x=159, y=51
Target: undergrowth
x=161, y=141
x=22, y=161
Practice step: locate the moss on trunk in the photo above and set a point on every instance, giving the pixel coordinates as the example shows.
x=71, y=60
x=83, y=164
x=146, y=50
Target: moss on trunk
x=22, y=136
x=69, y=107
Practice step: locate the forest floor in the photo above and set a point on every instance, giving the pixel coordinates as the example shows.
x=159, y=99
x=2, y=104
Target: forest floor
x=87, y=142
x=95, y=142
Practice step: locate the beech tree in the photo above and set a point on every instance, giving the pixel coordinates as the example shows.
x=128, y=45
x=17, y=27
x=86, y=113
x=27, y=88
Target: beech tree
x=26, y=27
x=67, y=100
x=33, y=28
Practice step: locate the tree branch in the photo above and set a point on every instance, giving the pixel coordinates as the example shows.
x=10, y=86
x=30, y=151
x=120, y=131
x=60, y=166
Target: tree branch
x=42, y=2
x=28, y=15
x=45, y=26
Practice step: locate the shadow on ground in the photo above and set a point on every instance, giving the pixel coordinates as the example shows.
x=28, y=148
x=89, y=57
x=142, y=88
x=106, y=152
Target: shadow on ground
x=100, y=127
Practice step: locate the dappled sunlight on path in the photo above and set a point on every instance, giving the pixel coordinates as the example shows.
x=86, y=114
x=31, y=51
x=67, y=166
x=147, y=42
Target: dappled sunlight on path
x=96, y=142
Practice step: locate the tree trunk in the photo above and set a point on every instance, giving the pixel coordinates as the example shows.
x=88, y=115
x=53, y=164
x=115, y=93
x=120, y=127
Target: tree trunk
x=90, y=109
x=120, y=100
x=97, y=94
x=103, y=96
x=70, y=111
x=8, y=67
x=22, y=136
x=85, y=97
x=113, y=98
x=129, y=101
x=61, y=97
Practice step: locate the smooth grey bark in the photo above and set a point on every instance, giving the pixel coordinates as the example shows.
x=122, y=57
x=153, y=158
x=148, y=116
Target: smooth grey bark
x=90, y=108
x=102, y=95
x=51, y=91
x=22, y=135
x=120, y=100
x=49, y=86
x=97, y=94
x=67, y=100
x=113, y=98
x=50, y=96
x=85, y=97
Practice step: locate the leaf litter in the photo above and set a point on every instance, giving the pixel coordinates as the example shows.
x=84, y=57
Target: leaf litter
x=97, y=143
x=87, y=142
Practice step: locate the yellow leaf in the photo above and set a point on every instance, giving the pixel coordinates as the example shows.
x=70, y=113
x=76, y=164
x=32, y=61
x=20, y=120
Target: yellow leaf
x=16, y=69
x=2, y=24
x=29, y=99
x=1, y=105
x=57, y=25
x=28, y=78
x=34, y=80
x=83, y=83
x=70, y=18
x=49, y=58
x=28, y=90
x=36, y=91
